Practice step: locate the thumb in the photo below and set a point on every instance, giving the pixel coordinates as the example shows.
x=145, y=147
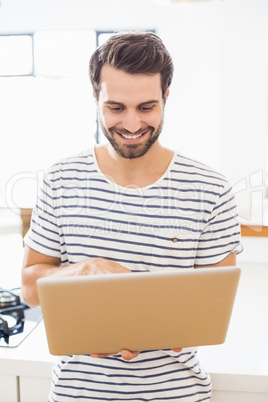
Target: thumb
x=128, y=355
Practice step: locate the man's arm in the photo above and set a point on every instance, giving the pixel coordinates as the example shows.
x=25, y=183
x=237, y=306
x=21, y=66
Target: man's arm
x=37, y=265
x=230, y=260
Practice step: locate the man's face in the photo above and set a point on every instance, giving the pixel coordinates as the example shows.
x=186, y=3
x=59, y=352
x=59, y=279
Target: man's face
x=130, y=110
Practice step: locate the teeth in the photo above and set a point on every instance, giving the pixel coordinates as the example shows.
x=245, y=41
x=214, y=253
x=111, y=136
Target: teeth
x=131, y=137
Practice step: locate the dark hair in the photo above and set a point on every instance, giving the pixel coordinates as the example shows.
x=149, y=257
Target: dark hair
x=134, y=53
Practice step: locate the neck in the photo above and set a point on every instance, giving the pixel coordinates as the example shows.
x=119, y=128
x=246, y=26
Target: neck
x=137, y=172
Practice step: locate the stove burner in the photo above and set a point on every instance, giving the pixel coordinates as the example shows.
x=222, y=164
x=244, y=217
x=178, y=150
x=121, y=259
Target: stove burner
x=11, y=315
x=8, y=299
x=17, y=320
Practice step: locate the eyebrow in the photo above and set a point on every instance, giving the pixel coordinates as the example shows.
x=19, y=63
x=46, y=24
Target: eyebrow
x=111, y=102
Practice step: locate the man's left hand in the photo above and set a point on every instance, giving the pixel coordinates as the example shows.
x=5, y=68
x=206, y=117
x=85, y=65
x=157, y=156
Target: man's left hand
x=126, y=354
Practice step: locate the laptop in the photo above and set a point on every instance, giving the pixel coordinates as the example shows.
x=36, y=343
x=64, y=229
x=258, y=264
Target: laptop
x=137, y=311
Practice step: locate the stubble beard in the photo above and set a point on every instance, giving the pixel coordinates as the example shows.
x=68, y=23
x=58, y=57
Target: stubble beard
x=132, y=151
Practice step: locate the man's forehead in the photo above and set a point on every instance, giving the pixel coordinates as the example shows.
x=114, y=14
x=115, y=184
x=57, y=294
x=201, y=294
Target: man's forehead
x=118, y=85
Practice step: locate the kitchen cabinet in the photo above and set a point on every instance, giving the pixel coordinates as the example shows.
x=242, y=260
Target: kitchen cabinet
x=9, y=388
x=33, y=389
x=23, y=389
x=25, y=370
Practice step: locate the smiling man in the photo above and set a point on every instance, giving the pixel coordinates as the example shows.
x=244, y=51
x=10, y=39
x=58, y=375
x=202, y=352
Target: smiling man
x=130, y=205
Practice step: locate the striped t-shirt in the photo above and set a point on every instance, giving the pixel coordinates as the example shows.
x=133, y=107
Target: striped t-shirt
x=187, y=218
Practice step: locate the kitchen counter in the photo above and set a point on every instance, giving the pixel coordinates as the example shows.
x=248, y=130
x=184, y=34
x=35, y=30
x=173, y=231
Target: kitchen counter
x=239, y=365
x=31, y=358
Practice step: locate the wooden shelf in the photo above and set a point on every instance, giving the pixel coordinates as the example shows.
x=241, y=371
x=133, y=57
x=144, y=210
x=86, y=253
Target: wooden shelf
x=25, y=214
x=254, y=230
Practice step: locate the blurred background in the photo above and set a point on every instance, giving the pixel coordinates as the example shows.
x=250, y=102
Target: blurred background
x=216, y=112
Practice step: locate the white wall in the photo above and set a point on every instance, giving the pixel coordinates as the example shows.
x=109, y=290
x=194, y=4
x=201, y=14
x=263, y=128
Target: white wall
x=217, y=111
x=244, y=108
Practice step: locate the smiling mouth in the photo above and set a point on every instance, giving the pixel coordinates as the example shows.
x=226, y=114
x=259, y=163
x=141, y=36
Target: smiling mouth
x=131, y=136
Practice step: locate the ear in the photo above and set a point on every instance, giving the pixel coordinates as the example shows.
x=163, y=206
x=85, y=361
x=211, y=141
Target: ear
x=167, y=93
x=95, y=96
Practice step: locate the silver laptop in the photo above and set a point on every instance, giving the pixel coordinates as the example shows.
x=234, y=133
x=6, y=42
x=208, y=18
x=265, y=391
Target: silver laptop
x=137, y=311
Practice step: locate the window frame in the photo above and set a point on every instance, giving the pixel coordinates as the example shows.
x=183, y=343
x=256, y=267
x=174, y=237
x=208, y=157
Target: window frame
x=98, y=133
x=28, y=34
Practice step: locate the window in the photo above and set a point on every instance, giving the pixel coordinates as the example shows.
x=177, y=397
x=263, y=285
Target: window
x=63, y=54
x=16, y=55
x=46, y=107
x=101, y=37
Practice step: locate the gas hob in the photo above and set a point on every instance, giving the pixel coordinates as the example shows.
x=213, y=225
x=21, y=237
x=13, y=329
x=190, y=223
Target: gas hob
x=17, y=320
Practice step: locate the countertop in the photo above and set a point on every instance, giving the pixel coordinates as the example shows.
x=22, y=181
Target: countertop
x=240, y=364
x=31, y=358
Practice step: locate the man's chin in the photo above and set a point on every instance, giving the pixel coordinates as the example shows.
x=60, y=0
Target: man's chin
x=128, y=151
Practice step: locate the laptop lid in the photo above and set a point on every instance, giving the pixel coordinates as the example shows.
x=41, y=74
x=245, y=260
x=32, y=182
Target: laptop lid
x=137, y=311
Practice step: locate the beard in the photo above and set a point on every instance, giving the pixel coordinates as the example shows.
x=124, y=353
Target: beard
x=132, y=151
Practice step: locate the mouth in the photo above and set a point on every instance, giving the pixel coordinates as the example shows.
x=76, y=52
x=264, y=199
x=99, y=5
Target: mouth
x=132, y=137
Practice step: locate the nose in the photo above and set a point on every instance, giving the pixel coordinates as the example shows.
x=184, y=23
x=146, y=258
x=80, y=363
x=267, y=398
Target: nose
x=131, y=121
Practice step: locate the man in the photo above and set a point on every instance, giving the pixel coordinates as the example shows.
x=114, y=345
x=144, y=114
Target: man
x=130, y=205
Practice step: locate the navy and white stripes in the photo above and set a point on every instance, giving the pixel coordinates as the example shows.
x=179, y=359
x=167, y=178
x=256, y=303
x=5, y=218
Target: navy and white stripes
x=187, y=218
x=152, y=376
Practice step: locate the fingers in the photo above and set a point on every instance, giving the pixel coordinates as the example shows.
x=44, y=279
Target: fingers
x=101, y=355
x=126, y=354
x=177, y=350
x=97, y=266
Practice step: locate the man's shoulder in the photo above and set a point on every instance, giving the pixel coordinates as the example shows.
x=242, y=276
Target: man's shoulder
x=195, y=168
x=85, y=157
x=81, y=160
x=76, y=165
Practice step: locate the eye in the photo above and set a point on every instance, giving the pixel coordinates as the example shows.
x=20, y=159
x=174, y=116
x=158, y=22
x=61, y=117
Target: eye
x=116, y=108
x=146, y=108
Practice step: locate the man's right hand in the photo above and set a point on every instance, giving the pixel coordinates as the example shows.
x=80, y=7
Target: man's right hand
x=37, y=265
x=98, y=266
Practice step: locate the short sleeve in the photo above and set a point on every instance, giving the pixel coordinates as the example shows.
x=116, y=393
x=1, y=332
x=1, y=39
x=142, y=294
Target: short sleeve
x=43, y=235
x=221, y=234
